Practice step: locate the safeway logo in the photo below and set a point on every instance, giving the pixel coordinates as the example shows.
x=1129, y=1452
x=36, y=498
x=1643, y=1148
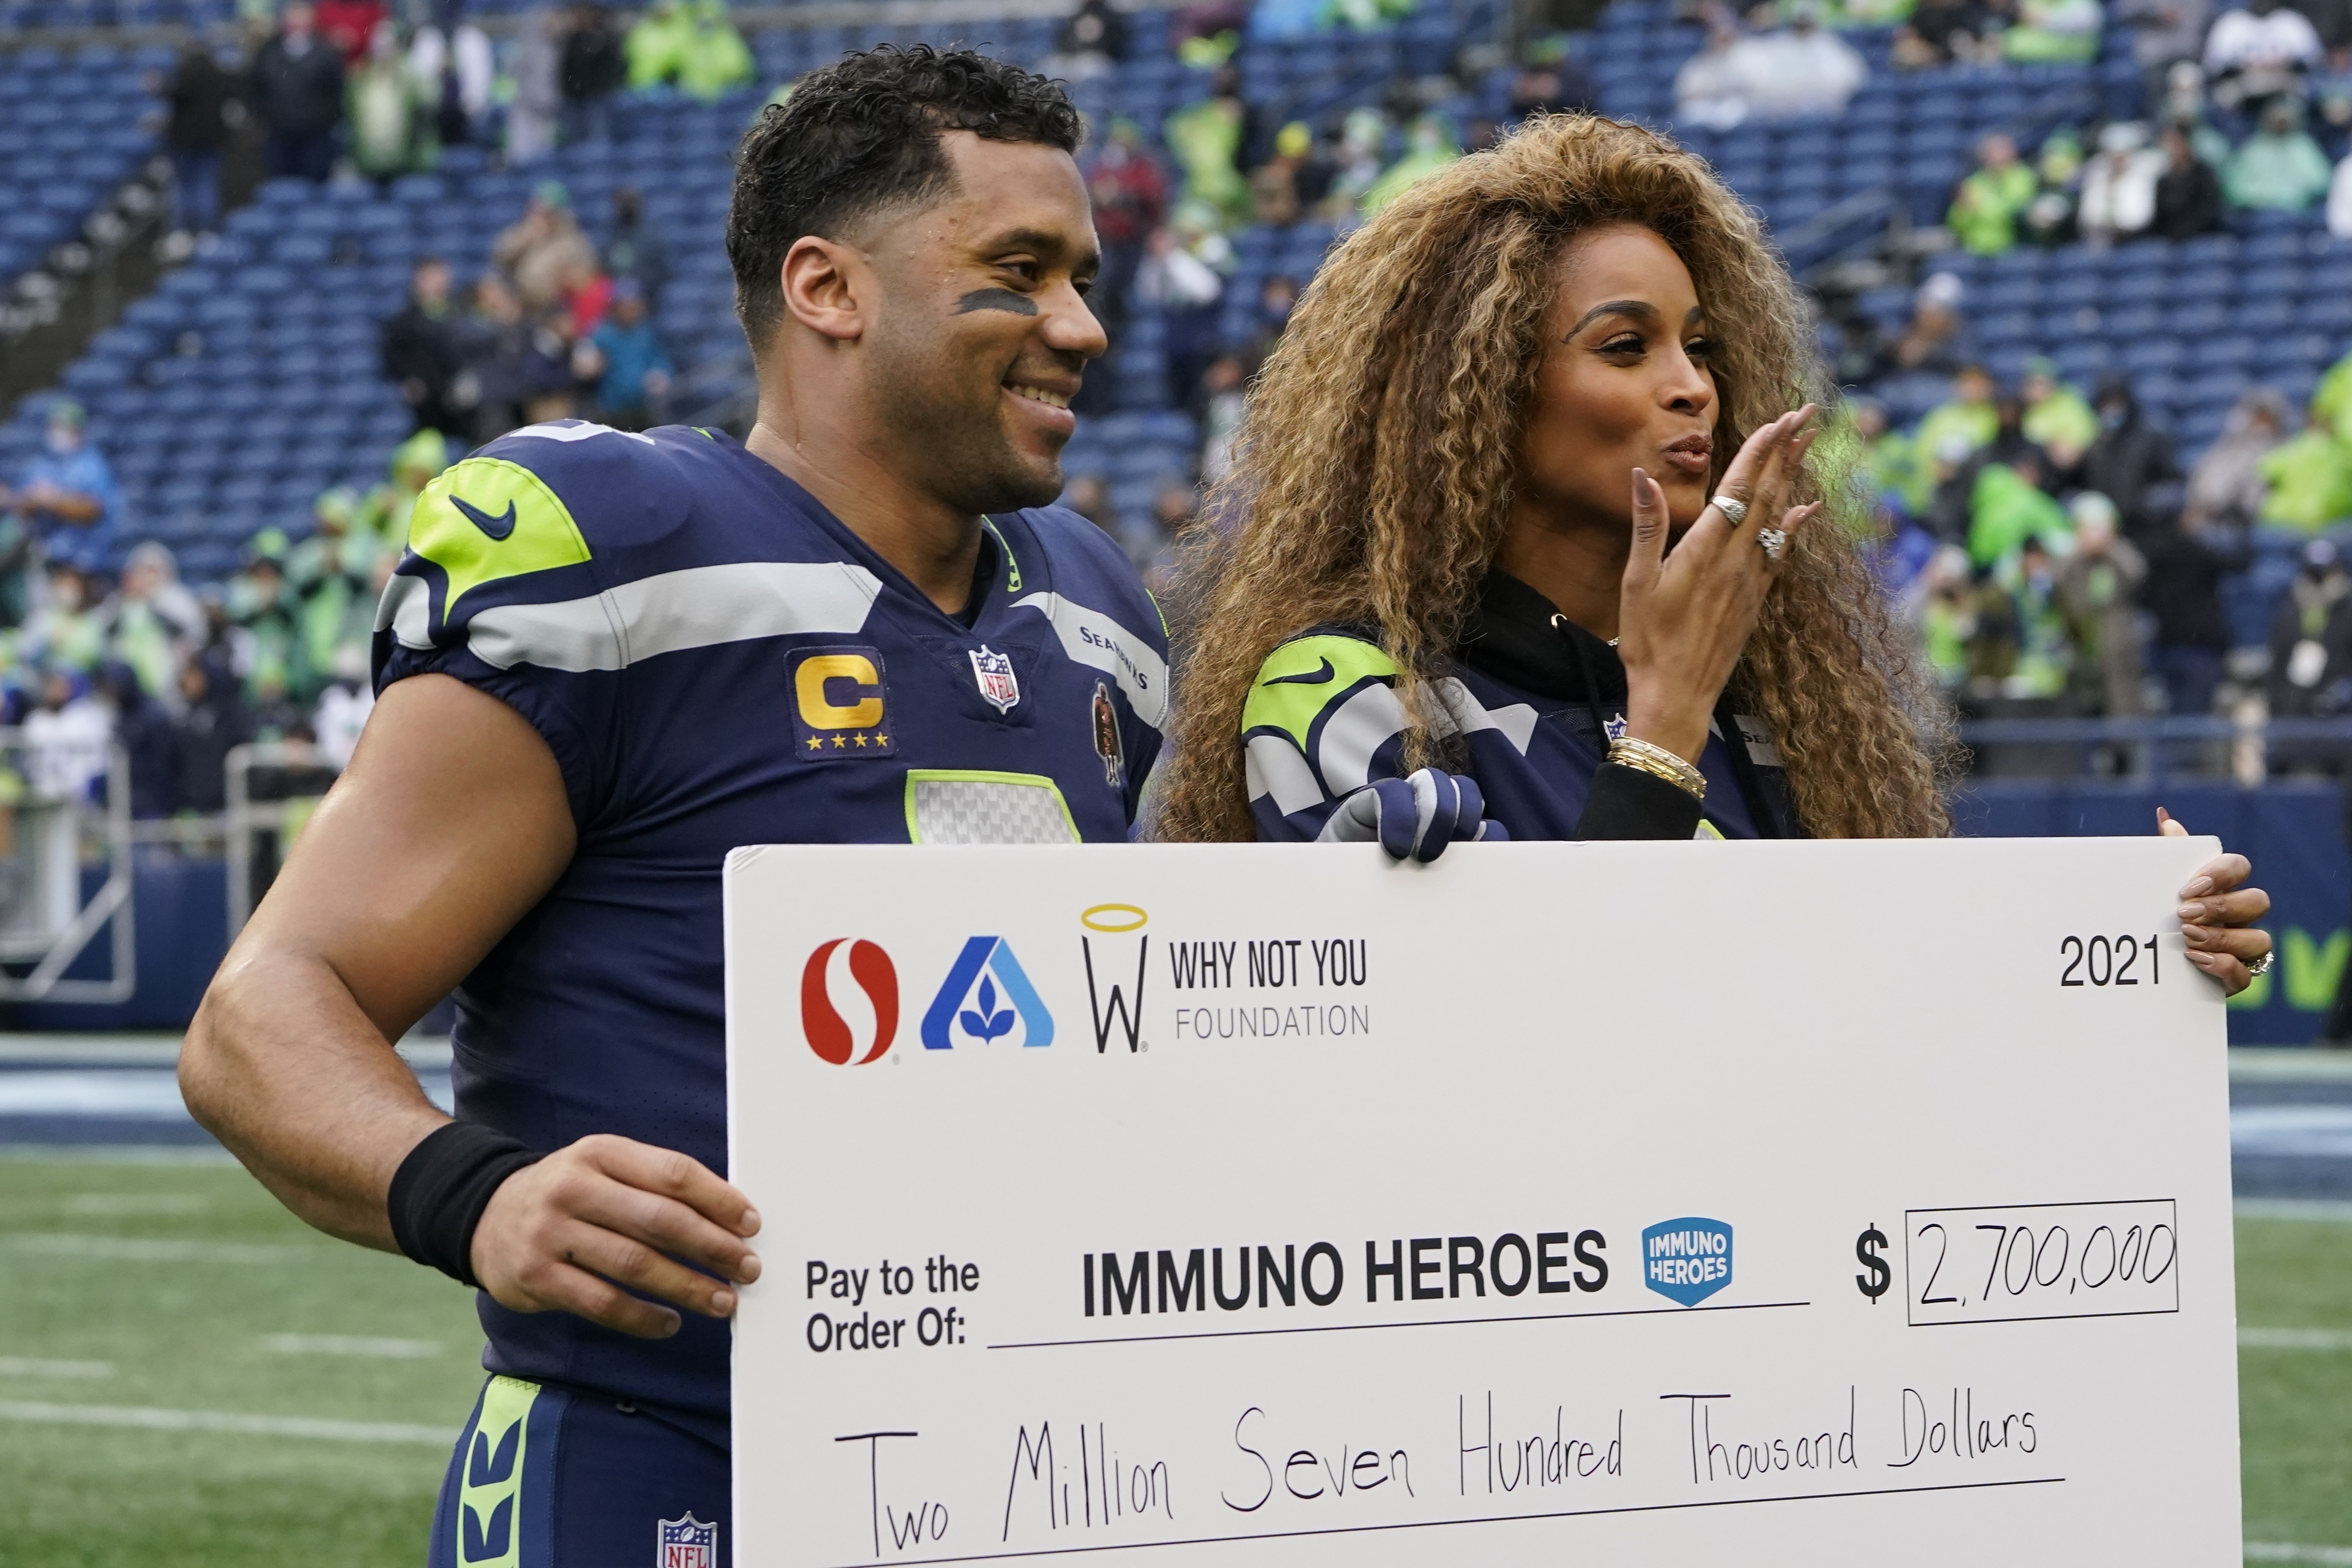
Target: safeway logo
x=837, y=1039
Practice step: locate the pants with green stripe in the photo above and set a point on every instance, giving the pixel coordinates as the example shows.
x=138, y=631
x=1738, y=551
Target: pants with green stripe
x=546, y=1477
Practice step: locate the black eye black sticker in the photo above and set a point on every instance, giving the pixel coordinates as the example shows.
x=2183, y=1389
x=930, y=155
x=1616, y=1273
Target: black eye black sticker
x=996, y=299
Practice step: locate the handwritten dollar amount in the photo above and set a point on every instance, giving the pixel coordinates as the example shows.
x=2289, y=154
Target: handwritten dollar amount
x=2042, y=1260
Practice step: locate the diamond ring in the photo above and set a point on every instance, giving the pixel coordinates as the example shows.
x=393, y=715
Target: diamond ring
x=1734, y=512
x=1772, y=540
x=2260, y=966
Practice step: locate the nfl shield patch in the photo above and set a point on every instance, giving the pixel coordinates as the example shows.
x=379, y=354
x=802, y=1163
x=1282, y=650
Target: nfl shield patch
x=994, y=675
x=687, y=1542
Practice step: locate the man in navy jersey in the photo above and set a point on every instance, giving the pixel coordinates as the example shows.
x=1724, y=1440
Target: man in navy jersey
x=606, y=660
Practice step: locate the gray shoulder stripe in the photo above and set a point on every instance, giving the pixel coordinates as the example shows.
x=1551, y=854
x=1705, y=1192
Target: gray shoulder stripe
x=1516, y=722
x=669, y=613
x=1352, y=732
x=1090, y=637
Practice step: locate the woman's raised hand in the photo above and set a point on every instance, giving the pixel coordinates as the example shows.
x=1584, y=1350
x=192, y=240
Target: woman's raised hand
x=1683, y=618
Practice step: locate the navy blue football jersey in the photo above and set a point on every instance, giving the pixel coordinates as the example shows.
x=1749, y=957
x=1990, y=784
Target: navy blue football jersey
x=1533, y=702
x=715, y=659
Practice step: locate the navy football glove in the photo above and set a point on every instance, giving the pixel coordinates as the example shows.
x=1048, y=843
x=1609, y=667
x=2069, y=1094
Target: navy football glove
x=1415, y=817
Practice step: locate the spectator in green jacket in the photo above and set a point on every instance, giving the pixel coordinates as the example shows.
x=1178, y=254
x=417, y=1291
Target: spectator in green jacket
x=2057, y=419
x=1968, y=415
x=2279, y=168
x=716, y=59
x=2045, y=644
x=1893, y=464
x=655, y=44
x=2049, y=31
x=2333, y=400
x=1984, y=208
x=2008, y=506
x=2309, y=478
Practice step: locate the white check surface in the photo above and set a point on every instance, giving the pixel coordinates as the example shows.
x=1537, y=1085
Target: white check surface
x=1522, y=1060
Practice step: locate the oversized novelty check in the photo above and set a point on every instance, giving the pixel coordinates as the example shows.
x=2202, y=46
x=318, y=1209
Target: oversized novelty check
x=1768, y=1203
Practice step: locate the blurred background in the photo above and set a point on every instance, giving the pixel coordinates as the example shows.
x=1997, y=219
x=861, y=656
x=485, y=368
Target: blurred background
x=2083, y=273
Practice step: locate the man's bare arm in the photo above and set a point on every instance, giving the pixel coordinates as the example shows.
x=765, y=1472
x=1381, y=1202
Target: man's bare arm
x=449, y=824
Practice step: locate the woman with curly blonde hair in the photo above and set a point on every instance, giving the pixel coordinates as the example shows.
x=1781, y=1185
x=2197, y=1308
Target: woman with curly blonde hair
x=1522, y=540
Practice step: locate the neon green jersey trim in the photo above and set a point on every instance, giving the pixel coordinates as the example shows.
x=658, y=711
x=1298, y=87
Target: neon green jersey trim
x=981, y=776
x=489, y=1513
x=487, y=519
x=1291, y=705
x=1012, y=562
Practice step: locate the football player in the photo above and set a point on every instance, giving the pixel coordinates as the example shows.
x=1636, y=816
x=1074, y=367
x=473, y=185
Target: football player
x=606, y=660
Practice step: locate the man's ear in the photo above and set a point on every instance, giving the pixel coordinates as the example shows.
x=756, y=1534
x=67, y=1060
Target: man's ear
x=828, y=286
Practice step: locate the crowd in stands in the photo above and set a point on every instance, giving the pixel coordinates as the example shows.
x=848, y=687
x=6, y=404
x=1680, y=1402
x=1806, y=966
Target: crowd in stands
x=2058, y=548
x=2060, y=552
x=348, y=81
x=553, y=329
x=2059, y=561
x=182, y=675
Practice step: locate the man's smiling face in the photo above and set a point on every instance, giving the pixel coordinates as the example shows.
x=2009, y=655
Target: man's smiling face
x=983, y=331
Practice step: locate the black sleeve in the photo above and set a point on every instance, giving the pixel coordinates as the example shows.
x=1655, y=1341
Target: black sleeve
x=1627, y=803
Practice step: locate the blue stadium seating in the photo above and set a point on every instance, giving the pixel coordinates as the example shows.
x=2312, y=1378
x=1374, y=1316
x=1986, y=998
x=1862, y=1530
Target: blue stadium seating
x=72, y=132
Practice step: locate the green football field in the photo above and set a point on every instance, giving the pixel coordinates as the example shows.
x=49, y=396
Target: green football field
x=190, y=1377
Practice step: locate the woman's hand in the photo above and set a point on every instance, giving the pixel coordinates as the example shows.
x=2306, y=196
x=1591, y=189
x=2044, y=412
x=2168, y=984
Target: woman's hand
x=1684, y=618
x=2217, y=915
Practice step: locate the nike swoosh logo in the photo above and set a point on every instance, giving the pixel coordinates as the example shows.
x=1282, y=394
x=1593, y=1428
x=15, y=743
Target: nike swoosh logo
x=498, y=527
x=1305, y=678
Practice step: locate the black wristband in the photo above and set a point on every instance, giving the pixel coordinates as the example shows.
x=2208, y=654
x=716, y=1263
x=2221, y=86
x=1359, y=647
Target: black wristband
x=440, y=1190
x=1628, y=803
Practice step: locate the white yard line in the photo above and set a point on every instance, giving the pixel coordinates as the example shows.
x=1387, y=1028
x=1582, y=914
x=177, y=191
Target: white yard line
x=350, y=1344
x=92, y=1049
x=2295, y=1339
x=114, y=1204
x=118, y=1094
x=2287, y=1551
x=2327, y=1210
x=228, y=1421
x=151, y=1250
x=2288, y=1064
x=32, y=1366
x=206, y=1154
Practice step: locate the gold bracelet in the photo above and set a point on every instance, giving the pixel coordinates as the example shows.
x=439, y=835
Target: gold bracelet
x=1659, y=763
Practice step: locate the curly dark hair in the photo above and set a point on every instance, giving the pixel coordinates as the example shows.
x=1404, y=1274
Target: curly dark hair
x=1375, y=465
x=861, y=136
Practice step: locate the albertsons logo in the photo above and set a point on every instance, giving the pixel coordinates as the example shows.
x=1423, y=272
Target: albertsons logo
x=986, y=998
x=1687, y=1260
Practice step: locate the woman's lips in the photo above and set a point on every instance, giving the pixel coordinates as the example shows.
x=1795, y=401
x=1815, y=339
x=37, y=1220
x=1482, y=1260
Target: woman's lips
x=1691, y=460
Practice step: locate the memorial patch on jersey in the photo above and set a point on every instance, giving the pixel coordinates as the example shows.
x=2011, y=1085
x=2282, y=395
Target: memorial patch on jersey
x=841, y=702
x=1108, y=744
x=487, y=519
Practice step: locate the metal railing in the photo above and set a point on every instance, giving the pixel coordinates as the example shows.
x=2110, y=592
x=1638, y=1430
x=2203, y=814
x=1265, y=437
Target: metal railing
x=2154, y=750
x=45, y=919
x=248, y=822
